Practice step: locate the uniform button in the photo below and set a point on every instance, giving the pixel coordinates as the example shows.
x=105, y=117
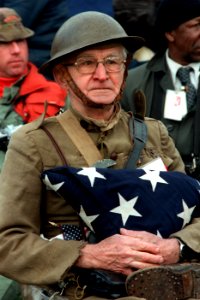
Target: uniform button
x=113, y=156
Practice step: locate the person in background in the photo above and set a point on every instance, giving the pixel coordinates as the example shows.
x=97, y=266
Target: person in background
x=137, y=17
x=44, y=18
x=170, y=80
x=89, y=57
x=23, y=90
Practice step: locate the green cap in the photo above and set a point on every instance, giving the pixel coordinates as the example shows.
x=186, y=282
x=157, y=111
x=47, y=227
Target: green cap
x=11, y=27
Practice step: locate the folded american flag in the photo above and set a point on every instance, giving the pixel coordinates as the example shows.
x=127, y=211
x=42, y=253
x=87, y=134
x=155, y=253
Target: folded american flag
x=107, y=200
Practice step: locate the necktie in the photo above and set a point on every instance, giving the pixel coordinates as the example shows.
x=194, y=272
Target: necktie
x=184, y=75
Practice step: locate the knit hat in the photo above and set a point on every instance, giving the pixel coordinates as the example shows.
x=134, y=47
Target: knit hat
x=11, y=27
x=172, y=13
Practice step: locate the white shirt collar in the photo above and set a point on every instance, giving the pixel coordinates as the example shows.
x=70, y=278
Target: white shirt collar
x=174, y=66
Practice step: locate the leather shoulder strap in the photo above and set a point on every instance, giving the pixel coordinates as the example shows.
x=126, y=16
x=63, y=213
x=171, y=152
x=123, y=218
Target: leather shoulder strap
x=59, y=151
x=140, y=138
x=138, y=129
x=79, y=137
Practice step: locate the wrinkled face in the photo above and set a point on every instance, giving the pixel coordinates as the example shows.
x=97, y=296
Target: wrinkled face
x=184, y=42
x=14, y=58
x=98, y=73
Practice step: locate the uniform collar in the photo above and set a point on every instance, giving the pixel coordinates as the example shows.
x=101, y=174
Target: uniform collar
x=94, y=125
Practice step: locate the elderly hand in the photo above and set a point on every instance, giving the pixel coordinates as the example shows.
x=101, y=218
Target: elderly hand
x=168, y=248
x=128, y=251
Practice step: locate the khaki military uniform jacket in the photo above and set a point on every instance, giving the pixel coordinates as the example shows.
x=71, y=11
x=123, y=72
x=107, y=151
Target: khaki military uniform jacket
x=27, y=208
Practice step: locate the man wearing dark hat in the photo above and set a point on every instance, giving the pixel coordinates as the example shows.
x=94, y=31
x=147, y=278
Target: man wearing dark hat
x=170, y=80
x=43, y=240
x=23, y=91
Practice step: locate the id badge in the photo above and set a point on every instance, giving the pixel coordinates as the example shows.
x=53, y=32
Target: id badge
x=175, y=105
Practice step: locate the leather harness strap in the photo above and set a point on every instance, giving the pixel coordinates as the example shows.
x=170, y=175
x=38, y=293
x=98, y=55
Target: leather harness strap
x=139, y=134
x=79, y=137
x=62, y=157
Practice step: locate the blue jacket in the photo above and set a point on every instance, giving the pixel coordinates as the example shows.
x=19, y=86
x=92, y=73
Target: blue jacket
x=77, y=6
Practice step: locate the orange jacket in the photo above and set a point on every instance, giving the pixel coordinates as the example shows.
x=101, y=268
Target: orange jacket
x=34, y=91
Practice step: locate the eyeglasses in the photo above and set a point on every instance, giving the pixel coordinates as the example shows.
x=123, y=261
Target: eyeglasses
x=88, y=65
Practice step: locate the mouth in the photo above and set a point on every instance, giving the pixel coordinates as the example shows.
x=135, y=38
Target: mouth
x=16, y=61
x=100, y=89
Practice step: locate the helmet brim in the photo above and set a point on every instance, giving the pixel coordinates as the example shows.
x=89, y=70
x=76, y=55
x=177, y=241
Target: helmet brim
x=131, y=43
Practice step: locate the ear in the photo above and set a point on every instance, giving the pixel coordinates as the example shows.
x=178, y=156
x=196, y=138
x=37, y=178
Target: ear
x=170, y=36
x=59, y=73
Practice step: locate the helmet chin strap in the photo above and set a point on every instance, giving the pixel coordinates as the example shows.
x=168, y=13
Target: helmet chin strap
x=86, y=100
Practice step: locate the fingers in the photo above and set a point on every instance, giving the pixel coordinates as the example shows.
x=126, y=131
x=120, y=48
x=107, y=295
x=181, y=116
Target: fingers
x=136, y=261
x=132, y=253
x=146, y=258
x=151, y=243
x=137, y=233
x=142, y=235
x=144, y=246
x=120, y=253
x=126, y=245
x=140, y=242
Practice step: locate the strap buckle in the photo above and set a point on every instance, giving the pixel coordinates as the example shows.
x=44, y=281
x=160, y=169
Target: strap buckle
x=191, y=167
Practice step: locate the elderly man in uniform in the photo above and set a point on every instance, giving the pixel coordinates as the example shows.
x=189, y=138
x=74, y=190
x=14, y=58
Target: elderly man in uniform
x=90, y=56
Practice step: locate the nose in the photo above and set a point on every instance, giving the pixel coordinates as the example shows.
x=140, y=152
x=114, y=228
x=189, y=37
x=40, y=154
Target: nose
x=100, y=72
x=14, y=47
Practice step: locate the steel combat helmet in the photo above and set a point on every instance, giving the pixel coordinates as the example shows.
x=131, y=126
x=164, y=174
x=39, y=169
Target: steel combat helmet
x=88, y=29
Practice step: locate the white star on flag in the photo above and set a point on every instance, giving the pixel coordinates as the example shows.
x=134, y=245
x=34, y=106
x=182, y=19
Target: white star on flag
x=158, y=234
x=54, y=187
x=153, y=177
x=186, y=214
x=126, y=208
x=91, y=173
x=87, y=219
